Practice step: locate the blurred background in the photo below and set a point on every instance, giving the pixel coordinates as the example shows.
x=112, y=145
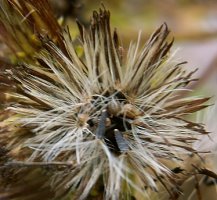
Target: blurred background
x=193, y=24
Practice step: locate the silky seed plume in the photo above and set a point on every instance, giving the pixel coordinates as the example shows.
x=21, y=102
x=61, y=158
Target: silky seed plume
x=106, y=123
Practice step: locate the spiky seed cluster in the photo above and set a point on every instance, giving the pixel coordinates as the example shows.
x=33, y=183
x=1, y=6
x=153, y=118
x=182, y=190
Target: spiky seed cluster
x=108, y=121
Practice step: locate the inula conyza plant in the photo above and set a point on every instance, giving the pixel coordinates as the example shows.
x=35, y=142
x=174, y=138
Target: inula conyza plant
x=107, y=124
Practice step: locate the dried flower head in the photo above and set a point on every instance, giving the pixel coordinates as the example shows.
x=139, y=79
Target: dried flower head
x=107, y=124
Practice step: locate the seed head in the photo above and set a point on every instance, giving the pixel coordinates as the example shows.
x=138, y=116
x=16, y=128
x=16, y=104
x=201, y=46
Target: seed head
x=107, y=123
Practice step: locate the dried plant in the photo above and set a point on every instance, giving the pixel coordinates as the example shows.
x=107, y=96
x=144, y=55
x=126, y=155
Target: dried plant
x=107, y=124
